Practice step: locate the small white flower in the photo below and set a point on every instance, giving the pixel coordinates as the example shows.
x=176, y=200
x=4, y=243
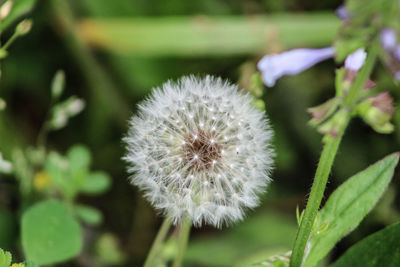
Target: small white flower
x=355, y=60
x=185, y=153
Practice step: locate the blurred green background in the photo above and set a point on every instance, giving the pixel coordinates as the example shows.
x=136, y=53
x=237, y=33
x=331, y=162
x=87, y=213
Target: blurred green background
x=114, y=52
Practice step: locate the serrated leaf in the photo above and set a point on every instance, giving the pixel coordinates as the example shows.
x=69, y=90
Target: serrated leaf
x=49, y=233
x=89, y=215
x=5, y=258
x=95, y=183
x=379, y=249
x=2, y=258
x=347, y=206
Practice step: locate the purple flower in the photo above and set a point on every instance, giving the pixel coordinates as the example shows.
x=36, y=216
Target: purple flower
x=355, y=60
x=388, y=38
x=397, y=52
x=291, y=62
x=397, y=76
x=342, y=12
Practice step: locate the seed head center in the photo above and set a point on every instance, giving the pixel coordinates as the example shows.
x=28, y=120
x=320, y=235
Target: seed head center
x=201, y=150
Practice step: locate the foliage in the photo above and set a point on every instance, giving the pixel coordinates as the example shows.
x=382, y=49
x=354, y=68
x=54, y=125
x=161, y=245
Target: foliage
x=347, y=206
x=49, y=233
x=65, y=198
x=378, y=249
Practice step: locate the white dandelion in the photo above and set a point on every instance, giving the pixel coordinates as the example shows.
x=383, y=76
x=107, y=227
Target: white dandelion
x=198, y=148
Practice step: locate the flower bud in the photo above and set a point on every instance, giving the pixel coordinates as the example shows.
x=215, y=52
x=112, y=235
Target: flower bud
x=3, y=104
x=74, y=106
x=259, y=104
x=57, y=85
x=342, y=12
x=5, y=166
x=5, y=9
x=396, y=52
x=3, y=53
x=377, y=111
x=323, y=111
x=334, y=126
x=24, y=27
x=388, y=38
x=352, y=64
x=355, y=60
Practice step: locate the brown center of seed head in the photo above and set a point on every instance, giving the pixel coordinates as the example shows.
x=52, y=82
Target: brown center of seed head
x=201, y=150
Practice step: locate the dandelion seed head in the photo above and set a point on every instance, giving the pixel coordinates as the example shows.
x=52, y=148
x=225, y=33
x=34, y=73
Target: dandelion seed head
x=198, y=148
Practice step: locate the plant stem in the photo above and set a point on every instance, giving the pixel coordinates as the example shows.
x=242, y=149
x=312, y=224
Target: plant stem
x=317, y=192
x=155, y=248
x=326, y=161
x=182, y=242
x=10, y=41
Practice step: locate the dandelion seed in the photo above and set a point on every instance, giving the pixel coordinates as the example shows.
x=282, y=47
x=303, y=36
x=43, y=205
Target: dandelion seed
x=202, y=172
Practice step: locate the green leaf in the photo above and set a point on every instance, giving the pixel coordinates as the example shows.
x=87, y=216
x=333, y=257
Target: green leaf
x=347, y=206
x=108, y=251
x=89, y=215
x=58, y=168
x=379, y=249
x=19, y=8
x=5, y=258
x=95, y=183
x=216, y=36
x=79, y=157
x=49, y=233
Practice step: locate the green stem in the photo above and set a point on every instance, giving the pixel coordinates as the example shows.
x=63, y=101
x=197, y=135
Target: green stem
x=10, y=41
x=326, y=161
x=155, y=248
x=317, y=192
x=182, y=242
x=363, y=75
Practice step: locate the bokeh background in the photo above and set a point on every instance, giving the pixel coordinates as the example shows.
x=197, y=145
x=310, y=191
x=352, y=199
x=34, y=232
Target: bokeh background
x=114, y=52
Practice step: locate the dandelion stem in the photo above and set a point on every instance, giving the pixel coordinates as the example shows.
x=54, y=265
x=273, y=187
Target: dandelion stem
x=155, y=248
x=182, y=242
x=326, y=160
